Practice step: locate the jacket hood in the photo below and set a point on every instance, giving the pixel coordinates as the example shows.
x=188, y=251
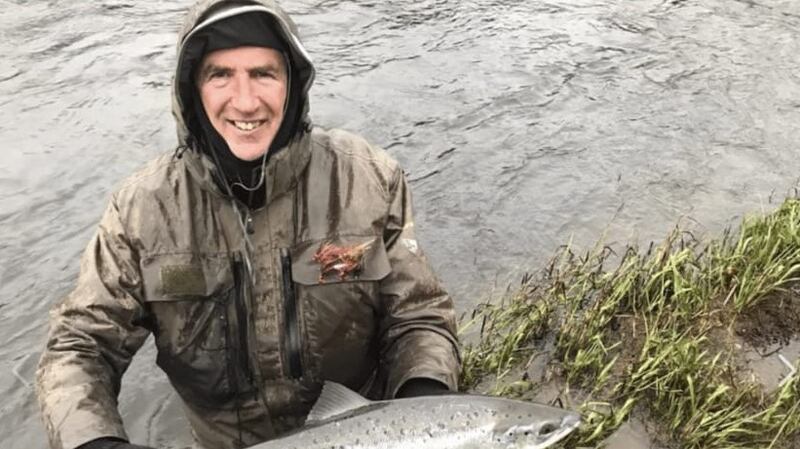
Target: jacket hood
x=207, y=12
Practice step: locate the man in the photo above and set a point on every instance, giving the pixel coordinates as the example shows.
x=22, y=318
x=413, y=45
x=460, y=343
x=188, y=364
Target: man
x=264, y=254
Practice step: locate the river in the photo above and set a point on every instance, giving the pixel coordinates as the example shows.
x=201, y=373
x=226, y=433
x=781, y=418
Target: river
x=521, y=125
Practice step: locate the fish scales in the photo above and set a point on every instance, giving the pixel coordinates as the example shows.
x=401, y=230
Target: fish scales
x=342, y=419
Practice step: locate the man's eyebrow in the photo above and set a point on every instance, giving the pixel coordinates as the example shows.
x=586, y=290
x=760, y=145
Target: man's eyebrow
x=210, y=68
x=268, y=66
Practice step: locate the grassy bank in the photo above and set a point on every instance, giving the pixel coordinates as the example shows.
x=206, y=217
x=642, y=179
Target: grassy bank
x=657, y=334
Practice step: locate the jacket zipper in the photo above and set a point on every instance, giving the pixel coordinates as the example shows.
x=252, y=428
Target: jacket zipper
x=240, y=324
x=290, y=320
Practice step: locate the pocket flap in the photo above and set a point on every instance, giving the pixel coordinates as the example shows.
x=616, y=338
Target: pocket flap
x=178, y=277
x=340, y=259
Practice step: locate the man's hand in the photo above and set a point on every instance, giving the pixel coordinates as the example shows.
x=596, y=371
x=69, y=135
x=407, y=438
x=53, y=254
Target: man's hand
x=422, y=387
x=111, y=443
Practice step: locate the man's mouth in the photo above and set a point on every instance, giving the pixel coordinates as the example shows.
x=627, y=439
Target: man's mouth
x=245, y=125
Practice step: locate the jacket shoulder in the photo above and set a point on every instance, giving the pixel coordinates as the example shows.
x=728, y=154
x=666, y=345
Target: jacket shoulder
x=161, y=184
x=348, y=146
x=158, y=174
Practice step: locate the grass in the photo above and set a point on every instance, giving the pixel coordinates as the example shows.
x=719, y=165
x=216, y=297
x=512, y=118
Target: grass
x=655, y=335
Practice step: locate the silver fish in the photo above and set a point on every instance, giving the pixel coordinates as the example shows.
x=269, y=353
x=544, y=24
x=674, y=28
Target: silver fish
x=342, y=419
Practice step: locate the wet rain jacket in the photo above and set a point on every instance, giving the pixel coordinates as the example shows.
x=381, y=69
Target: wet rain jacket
x=247, y=346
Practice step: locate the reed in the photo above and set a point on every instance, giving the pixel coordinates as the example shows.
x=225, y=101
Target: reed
x=654, y=334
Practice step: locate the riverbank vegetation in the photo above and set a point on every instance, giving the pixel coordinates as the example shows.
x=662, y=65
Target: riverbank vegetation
x=657, y=333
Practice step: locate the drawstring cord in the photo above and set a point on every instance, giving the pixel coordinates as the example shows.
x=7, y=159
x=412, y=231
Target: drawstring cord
x=248, y=248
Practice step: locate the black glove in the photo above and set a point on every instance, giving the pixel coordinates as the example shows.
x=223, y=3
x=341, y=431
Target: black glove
x=421, y=386
x=111, y=443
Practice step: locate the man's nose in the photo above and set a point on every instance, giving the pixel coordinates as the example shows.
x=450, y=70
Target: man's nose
x=244, y=98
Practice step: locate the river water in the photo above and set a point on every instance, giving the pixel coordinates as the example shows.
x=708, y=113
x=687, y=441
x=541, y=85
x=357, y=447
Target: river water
x=521, y=125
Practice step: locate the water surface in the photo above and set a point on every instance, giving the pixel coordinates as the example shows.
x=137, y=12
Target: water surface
x=521, y=125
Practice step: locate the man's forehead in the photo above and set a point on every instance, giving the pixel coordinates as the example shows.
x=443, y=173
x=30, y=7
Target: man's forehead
x=250, y=57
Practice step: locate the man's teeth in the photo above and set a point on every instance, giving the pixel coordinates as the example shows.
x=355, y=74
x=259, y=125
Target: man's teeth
x=246, y=126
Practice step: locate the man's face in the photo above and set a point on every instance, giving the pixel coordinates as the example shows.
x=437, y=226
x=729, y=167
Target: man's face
x=243, y=90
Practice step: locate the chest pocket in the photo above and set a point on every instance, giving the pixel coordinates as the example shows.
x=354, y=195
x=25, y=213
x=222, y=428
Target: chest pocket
x=338, y=285
x=190, y=301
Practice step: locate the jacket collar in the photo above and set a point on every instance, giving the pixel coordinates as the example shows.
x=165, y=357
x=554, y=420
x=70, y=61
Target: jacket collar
x=283, y=170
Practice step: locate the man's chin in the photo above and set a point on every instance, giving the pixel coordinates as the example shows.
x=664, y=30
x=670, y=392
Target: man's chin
x=249, y=154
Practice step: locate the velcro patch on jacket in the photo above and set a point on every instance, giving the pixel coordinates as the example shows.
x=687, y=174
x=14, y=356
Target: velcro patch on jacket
x=183, y=280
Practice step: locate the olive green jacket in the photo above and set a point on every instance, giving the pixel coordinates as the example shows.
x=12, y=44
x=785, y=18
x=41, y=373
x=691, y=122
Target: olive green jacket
x=248, y=312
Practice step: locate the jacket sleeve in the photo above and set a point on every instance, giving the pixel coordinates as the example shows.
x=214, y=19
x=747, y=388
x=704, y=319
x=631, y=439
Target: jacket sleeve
x=94, y=333
x=418, y=327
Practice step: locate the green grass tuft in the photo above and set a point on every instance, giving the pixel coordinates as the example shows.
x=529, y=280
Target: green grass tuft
x=654, y=335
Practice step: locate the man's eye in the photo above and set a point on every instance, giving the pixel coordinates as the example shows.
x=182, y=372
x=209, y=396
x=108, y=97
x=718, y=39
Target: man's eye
x=264, y=74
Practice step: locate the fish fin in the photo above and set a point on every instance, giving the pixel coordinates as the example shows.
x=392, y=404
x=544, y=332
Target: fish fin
x=334, y=400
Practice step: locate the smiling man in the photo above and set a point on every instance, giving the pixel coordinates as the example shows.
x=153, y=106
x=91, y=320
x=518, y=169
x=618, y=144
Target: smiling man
x=265, y=255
